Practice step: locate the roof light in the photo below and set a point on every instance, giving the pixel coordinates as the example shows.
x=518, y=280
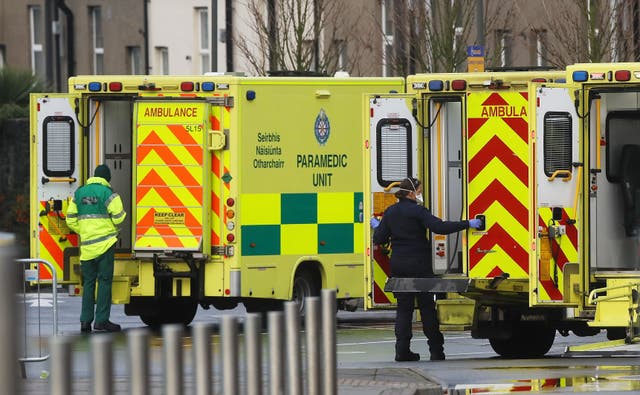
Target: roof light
x=208, y=86
x=95, y=86
x=458, y=85
x=435, y=85
x=580, y=76
x=561, y=80
x=115, y=86
x=186, y=86
x=623, y=75
x=597, y=76
x=539, y=80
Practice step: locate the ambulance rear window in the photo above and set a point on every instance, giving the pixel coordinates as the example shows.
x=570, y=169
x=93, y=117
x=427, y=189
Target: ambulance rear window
x=58, y=135
x=557, y=143
x=393, y=151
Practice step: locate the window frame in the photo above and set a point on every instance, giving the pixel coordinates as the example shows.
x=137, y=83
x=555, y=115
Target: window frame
x=97, y=37
x=567, y=140
x=45, y=147
x=379, y=149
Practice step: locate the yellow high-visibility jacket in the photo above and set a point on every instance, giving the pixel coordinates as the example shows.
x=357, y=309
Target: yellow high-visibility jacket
x=94, y=214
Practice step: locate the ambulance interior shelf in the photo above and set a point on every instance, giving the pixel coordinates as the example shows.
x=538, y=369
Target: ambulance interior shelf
x=630, y=183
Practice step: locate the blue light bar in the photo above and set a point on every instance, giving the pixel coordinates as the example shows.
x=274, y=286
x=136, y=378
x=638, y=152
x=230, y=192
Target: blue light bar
x=561, y=80
x=580, y=76
x=95, y=86
x=435, y=85
x=207, y=86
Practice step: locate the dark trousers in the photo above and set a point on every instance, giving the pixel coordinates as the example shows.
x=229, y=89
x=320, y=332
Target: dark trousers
x=99, y=269
x=428, y=315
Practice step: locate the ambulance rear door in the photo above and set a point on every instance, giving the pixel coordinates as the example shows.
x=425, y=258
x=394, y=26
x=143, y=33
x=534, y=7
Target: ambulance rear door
x=391, y=152
x=558, y=173
x=56, y=172
x=171, y=175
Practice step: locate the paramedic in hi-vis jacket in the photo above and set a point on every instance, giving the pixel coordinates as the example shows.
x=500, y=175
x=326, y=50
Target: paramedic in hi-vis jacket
x=94, y=214
x=405, y=225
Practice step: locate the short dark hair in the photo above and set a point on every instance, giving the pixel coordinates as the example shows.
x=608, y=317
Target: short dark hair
x=409, y=184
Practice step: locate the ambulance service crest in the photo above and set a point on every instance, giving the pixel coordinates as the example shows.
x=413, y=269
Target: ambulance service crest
x=322, y=127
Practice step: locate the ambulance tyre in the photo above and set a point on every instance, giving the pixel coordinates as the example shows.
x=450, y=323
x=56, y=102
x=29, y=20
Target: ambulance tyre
x=306, y=283
x=177, y=312
x=525, y=341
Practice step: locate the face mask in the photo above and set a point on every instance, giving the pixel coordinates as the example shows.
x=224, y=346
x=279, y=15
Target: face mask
x=419, y=198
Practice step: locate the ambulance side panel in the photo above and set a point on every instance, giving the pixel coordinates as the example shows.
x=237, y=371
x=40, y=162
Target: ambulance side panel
x=56, y=172
x=301, y=187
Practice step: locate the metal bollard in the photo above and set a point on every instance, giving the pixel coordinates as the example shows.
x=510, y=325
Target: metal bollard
x=202, y=363
x=276, y=352
x=252, y=326
x=230, y=380
x=8, y=348
x=138, y=345
x=102, y=356
x=329, y=347
x=294, y=368
x=312, y=328
x=172, y=337
x=60, y=365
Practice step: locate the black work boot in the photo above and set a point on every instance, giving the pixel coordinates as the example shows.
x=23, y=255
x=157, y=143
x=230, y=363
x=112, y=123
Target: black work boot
x=437, y=356
x=407, y=356
x=107, y=326
x=85, y=327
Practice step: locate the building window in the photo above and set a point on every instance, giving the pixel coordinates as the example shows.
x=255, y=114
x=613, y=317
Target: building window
x=393, y=151
x=309, y=51
x=135, y=60
x=2, y=57
x=204, y=46
x=557, y=143
x=97, y=39
x=504, y=45
x=539, y=37
x=36, y=28
x=341, y=55
x=162, y=59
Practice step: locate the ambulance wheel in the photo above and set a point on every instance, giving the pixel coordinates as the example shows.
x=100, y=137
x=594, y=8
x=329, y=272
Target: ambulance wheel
x=525, y=341
x=305, y=284
x=171, y=313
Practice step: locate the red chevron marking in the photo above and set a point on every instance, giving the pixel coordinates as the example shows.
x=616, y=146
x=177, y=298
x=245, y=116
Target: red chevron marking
x=215, y=165
x=49, y=243
x=497, y=236
x=495, y=148
x=382, y=259
x=182, y=135
x=495, y=272
x=153, y=142
x=496, y=192
x=495, y=100
x=215, y=122
x=474, y=124
x=153, y=181
x=518, y=125
x=525, y=95
x=553, y=292
x=379, y=296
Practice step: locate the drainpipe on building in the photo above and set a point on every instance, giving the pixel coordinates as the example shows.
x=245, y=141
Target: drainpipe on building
x=214, y=35
x=49, y=5
x=229, y=33
x=146, y=36
x=71, y=52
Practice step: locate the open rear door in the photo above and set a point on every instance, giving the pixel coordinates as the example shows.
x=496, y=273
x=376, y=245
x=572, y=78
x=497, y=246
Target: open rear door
x=170, y=174
x=55, y=175
x=558, y=172
x=391, y=152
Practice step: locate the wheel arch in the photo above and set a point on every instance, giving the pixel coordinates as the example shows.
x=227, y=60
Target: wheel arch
x=311, y=265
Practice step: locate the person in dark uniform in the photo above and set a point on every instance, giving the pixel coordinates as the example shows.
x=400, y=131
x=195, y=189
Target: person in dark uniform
x=405, y=225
